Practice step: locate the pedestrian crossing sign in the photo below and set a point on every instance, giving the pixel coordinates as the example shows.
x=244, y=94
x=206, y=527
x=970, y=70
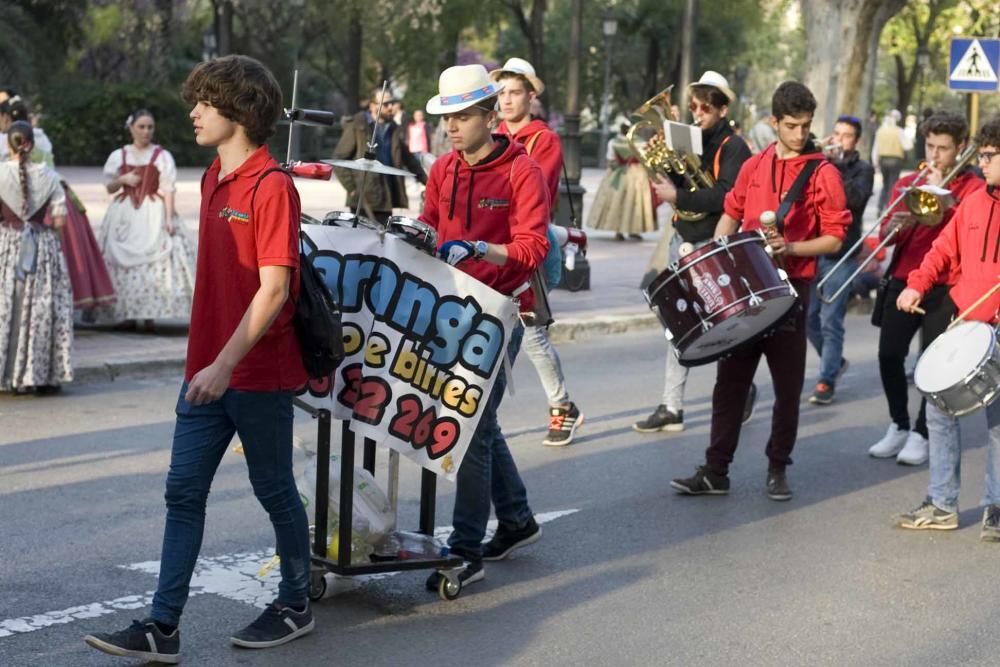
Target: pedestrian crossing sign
x=974, y=64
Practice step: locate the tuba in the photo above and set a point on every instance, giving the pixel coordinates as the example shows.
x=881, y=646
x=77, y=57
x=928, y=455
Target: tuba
x=929, y=208
x=646, y=140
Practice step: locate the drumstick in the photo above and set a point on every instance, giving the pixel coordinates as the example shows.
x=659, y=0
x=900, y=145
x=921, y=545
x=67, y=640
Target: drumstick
x=918, y=310
x=974, y=306
x=769, y=223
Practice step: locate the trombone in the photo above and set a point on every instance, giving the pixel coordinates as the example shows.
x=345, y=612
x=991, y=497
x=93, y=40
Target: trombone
x=928, y=209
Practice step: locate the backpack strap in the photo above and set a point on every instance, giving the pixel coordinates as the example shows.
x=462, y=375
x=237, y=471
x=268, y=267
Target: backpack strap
x=795, y=192
x=260, y=179
x=718, y=157
x=531, y=142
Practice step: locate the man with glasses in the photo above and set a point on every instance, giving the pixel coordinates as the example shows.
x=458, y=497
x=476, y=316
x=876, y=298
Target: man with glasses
x=946, y=135
x=722, y=157
x=970, y=246
x=825, y=323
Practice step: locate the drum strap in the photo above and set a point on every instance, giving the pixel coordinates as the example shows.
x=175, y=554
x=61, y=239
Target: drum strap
x=717, y=162
x=794, y=193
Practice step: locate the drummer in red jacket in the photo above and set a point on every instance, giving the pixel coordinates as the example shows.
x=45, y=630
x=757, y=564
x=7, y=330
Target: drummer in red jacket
x=490, y=207
x=815, y=225
x=969, y=249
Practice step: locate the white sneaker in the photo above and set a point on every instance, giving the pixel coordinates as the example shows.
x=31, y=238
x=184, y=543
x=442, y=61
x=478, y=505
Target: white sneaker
x=915, y=452
x=890, y=444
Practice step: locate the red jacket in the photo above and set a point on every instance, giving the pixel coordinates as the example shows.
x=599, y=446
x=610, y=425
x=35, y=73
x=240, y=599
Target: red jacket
x=968, y=248
x=820, y=211
x=545, y=148
x=500, y=200
x=913, y=242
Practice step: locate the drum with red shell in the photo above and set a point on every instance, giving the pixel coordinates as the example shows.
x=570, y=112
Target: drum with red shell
x=721, y=297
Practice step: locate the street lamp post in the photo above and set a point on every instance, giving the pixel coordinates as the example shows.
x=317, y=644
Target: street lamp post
x=610, y=27
x=570, y=193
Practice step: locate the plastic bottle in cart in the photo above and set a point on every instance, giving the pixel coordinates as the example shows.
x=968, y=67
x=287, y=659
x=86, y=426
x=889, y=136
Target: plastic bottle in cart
x=407, y=545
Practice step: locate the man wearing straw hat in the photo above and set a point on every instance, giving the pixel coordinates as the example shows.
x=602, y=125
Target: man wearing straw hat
x=521, y=86
x=490, y=207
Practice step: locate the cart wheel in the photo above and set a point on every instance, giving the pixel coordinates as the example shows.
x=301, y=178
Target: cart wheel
x=317, y=586
x=449, y=590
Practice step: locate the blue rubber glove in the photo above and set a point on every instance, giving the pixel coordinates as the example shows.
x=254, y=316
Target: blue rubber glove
x=455, y=252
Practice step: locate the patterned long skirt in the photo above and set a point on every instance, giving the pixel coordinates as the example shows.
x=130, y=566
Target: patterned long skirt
x=36, y=314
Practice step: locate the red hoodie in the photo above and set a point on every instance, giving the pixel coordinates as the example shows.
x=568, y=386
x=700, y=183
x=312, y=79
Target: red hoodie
x=820, y=211
x=968, y=248
x=913, y=242
x=545, y=148
x=500, y=200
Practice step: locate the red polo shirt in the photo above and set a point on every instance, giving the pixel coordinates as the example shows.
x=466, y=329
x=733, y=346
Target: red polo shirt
x=234, y=242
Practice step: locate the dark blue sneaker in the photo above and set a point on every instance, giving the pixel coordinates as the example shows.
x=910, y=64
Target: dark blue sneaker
x=277, y=625
x=142, y=639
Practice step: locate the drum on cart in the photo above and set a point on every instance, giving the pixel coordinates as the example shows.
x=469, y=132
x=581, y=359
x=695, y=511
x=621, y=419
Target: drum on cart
x=721, y=297
x=415, y=232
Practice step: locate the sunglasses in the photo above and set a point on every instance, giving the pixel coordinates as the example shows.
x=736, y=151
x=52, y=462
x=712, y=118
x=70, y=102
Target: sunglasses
x=987, y=156
x=705, y=108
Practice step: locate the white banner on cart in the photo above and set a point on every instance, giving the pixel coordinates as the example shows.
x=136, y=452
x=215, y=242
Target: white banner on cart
x=423, y=341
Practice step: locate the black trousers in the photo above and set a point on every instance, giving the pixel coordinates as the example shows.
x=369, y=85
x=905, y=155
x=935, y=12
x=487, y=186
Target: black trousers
x=898, y=329
x=785, y=352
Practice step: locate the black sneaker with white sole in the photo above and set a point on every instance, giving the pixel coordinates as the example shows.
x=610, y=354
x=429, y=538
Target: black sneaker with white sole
x=276, y=625
x=563, y=423
x=704, y=482
x=142, y=640
x=471, y=573
x=777, y=485
x=662, y=419
x=505, y=541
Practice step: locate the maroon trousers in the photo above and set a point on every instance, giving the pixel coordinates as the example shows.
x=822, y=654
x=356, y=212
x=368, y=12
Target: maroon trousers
x=785, y=351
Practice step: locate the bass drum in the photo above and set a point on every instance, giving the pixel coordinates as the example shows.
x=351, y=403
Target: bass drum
x=960, y=371
x=720, y=298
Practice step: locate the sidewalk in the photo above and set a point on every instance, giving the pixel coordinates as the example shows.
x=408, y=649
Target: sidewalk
x=614, y=303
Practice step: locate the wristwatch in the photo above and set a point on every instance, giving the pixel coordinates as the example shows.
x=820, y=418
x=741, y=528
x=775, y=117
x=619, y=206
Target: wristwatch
x=480, y=248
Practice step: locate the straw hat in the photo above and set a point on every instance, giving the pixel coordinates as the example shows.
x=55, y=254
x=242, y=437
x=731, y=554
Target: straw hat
x=715, y=80
x=522, y=67
x=460, y=87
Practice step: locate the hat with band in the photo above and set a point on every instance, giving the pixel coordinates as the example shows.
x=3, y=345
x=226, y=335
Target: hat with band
x=461, y=87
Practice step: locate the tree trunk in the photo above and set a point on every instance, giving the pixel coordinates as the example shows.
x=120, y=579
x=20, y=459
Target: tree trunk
x=839, y=38
x=650, y=82
x=352, y=61
x=688, y=26
x=538, y=8
x=223, y=26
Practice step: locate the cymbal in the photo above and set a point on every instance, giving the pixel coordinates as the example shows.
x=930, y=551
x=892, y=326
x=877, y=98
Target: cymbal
x=372, y=166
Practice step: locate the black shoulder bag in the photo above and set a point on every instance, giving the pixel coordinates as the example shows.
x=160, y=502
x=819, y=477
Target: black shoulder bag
x=317, y=322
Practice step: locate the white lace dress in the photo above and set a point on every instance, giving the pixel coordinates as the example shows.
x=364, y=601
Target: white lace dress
x=36, y=300
x=152, y=270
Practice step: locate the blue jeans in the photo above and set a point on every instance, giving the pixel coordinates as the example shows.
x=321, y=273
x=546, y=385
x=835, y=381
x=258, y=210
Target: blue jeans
x=825, y=323
x=488, y=472
x=946, y=458
x=202, y=434
x=543, y=355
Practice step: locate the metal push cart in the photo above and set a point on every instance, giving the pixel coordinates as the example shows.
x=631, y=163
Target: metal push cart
x=450, y=567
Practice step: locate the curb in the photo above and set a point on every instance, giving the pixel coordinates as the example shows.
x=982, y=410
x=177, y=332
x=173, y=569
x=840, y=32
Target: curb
x=562, y=331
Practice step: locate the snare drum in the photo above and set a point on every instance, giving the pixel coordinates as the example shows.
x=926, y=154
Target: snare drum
x=960, y=371
x=723, y=296
x=414, y=232
x=348, y=219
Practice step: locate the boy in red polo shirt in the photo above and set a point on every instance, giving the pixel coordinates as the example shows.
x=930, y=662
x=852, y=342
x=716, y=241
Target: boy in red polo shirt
x=814, y=225
x=243, y=362
x=969, y=245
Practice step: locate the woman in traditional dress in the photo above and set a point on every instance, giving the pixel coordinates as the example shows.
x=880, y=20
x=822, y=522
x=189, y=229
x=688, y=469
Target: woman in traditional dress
x=36, y=301
x=88, y=275
x=148, y=254
x=624, y=202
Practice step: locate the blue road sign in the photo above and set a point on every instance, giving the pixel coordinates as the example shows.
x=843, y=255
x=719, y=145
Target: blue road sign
x=973, y=64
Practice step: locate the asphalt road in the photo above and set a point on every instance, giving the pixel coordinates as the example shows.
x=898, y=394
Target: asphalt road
x=636, y=576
